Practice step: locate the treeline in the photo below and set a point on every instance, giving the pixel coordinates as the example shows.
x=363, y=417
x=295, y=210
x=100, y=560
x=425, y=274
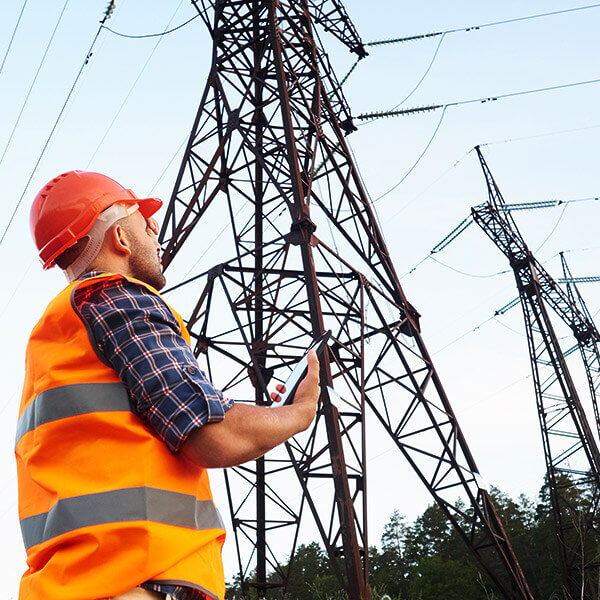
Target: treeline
x=426, y=559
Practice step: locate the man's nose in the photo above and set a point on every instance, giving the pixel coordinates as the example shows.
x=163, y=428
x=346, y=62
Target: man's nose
x=153, y=225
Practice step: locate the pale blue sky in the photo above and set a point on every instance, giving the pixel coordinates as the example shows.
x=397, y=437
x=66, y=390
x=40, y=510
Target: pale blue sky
x=485, y=373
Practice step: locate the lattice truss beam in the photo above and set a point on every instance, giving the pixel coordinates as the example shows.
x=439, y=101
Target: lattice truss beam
x=570, y=450
x=587, y=338
x=268, y=146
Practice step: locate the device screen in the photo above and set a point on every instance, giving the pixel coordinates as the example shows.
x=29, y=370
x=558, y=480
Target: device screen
x=299, y=371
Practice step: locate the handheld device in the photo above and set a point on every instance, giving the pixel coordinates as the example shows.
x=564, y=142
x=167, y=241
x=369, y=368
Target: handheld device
x=299, y=371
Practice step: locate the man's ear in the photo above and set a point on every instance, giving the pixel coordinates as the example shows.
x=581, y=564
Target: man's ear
x=118, y=240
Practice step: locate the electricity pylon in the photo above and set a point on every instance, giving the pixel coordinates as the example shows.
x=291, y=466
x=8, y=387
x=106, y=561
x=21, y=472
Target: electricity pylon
x=570, y=451
x=268, y=147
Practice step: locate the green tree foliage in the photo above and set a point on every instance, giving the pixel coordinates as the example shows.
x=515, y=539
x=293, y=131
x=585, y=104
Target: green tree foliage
x=427, y=560
x=311, y=575
x=434, y=578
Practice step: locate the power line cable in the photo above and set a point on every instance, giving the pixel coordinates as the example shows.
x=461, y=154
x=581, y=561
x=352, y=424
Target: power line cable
x=505, y=141
x=424, y=74
x=539, y=135
x=371, y=201
x=12, y=37
x=462, y=336
x=151, y=35
x=432, y=107
x=420, y=80
x=16, y=124
x=423, y=36
x=412, y=168
x=477, y=27
x=183, y=141
x=118, y=9
x=430, y=185
x=475, y=275
x=525, y=92
x=519, y=333
x=519, y=206
x=562, y=214
x=107, y=14
x=127, y=96
x=20, y=283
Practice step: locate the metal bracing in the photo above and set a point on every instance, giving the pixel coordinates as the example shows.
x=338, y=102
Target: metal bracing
x=587, y=337
x=570, y=451
x=267, y=146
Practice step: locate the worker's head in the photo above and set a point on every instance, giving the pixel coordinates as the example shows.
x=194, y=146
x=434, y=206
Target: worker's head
x=85, y=221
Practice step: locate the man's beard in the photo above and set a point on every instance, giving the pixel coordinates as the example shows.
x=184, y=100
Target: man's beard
x=146, y=269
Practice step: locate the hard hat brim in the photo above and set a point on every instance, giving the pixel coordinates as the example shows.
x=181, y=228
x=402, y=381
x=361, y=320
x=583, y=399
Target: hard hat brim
x=147, y=206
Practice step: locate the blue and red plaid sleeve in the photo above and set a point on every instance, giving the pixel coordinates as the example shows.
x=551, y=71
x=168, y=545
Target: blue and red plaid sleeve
x=141, y=339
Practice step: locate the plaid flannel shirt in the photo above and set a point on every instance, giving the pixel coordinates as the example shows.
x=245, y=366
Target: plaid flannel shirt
x=141, y=339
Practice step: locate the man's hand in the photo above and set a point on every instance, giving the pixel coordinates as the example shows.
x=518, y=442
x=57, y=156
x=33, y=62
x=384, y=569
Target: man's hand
x=249, y=431
x=307, y=394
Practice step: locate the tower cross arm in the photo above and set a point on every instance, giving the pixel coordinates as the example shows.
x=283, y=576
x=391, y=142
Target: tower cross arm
x=332, y=16
x=500, y=227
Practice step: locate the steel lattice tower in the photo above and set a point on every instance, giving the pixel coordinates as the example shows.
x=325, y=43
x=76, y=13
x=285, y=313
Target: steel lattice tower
x=570, y=450
x=268, y=146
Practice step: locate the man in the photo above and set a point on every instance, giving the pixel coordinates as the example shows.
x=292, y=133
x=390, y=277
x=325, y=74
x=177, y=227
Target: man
x=118, y=424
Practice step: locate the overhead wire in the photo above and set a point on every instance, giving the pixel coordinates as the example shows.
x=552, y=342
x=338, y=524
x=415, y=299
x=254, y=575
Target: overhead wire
x=433, y=107
x=562, y=214
x=520, y=333
x=475, y=275
x=500, y=311
x=539, y=135
x=24, y=277
x=132, y=87
x=98, y=49
x=12, y=37
x=505, y=141
x=424, y=74
x=478, y=27
x=107, y=14
x=374, y=116
x=364, y=183
x=430, y=185
x=186, y=137
x=518, y=206
x=397, y=105
x=414, y=165
x=424, y=36
x=462, y=336
x=418, y=85
x=39, y=68
x=151, y=35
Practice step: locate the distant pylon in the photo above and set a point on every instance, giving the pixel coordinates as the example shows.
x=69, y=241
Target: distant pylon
x=570, y=450
x=586, y=335
x=268, y=147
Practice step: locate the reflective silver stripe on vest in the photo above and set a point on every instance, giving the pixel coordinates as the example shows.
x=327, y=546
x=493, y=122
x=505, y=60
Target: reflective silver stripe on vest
x=184, y=583
x=71, y=401
x=115, y=506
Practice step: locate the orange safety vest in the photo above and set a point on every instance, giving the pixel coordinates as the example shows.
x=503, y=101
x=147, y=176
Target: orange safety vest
x=104, y=505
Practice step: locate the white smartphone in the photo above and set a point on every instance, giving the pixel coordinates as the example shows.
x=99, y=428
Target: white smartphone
x=299, y=371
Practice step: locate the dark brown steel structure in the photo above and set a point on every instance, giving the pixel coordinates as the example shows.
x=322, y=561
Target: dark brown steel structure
x=586, y=335
x=570, y=450
x=268, y=147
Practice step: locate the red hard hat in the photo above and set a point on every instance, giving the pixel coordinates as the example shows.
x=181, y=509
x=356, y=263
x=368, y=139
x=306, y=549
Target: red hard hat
x=66, y=208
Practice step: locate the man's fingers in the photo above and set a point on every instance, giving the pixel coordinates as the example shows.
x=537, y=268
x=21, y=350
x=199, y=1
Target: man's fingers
x=313, y=364
x=310, y=384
